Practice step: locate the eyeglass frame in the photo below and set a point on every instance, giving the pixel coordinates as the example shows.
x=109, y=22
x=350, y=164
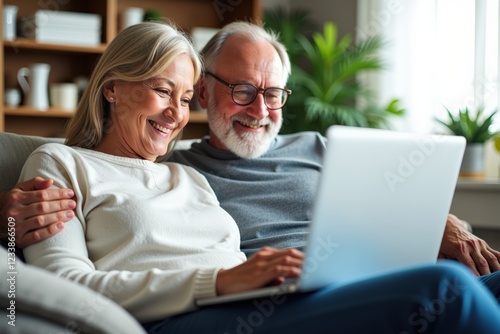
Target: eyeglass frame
x=258, y=89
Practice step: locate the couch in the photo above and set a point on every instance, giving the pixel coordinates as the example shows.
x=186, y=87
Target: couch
x=35, y=300
x=45, y=303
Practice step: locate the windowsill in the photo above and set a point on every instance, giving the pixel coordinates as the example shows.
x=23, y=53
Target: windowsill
x=476, y=201
x=478, y=184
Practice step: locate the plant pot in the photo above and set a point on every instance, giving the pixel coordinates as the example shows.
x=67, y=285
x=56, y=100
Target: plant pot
x=473, y=161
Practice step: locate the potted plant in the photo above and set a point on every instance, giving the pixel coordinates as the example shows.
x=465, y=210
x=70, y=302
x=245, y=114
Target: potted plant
x=152, y=15
x=477, y=130
x=324, y=78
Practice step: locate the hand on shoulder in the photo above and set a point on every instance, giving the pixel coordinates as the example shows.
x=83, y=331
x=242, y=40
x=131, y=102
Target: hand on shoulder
x=36, y=211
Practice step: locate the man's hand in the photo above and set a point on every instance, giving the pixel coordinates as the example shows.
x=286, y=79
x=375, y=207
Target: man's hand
x=459, y=244
x=38, y=212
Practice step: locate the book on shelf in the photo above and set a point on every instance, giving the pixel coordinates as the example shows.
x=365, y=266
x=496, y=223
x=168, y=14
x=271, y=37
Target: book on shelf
x=43, y=18
x=62, y=27
x=85, y=38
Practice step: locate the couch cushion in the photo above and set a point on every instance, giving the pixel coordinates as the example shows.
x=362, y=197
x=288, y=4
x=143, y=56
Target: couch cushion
x=14, y=150
x=40, y=294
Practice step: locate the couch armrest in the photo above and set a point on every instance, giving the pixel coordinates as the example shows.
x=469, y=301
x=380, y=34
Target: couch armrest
x=41, y=297
x=14, y=150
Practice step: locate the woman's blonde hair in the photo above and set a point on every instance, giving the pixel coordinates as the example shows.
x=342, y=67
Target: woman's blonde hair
x=138, y=53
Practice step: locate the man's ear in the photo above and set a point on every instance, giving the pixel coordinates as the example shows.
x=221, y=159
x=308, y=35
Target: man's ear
x=201, y=92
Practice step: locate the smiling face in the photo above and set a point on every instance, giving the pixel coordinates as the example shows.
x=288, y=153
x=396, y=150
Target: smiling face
x=147, y=115
x=247, y=130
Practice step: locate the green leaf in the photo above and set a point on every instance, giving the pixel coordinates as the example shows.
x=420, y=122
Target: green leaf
x=475, y=128
x=324, y=78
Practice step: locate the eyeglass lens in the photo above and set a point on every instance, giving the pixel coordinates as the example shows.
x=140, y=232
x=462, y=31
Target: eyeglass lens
x=274, y=98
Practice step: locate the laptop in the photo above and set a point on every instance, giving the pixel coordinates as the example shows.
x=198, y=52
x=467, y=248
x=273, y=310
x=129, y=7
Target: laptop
x=381, y=205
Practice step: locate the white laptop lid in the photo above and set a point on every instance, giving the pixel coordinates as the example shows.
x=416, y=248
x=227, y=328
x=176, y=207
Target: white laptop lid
x=382, y=203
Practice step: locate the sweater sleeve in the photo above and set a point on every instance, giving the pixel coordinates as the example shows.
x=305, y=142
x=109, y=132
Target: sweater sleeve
x=148, y=295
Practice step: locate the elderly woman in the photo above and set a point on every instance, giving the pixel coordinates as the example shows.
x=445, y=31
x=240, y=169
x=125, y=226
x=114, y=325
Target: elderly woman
x=152, y=236
x=144, y=233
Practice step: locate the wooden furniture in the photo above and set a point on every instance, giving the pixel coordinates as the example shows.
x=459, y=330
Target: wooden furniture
x=67, y=61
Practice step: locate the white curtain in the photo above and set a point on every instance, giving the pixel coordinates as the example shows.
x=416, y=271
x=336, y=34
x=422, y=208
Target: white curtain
x=407, y=27
x=440, y=54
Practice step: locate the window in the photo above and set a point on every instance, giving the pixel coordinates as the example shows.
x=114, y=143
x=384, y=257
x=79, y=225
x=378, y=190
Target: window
x=468, y=53
x=440, y=54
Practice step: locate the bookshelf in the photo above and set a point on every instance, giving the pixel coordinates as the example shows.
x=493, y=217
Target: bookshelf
x=69, y=61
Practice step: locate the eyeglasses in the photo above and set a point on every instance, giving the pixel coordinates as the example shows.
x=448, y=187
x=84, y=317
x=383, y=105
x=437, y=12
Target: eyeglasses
x=243, y=94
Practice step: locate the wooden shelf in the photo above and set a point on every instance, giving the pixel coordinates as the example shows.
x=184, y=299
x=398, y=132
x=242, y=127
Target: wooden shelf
x=198, y=117
x=68, y=62
x=194, y=117
x=30, y=112
x=30, y=44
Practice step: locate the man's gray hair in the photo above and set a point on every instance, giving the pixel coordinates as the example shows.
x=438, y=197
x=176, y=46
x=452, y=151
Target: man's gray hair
x=254, y=32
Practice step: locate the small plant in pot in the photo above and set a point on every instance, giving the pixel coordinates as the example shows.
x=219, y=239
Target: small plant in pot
x=476, y=128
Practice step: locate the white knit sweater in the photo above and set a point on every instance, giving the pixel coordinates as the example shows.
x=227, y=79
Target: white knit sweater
x=150, y=236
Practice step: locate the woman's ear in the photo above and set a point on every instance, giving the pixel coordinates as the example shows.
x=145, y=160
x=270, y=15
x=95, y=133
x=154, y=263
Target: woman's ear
x=201, y=92
x=109, y=91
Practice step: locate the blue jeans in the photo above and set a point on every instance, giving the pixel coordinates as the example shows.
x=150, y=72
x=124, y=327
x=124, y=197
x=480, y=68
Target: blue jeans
x=442, y=298
x=492, y=282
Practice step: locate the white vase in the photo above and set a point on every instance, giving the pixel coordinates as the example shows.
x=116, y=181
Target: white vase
x=473, y=161
x=35, y=89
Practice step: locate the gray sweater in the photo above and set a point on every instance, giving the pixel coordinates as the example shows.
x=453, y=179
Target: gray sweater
x=270, y=197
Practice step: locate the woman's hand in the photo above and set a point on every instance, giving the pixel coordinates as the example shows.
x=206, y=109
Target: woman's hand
x=267, y=266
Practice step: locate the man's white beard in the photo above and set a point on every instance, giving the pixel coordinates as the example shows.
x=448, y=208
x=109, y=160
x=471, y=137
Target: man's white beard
x=245, y=145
